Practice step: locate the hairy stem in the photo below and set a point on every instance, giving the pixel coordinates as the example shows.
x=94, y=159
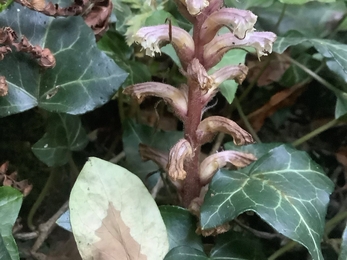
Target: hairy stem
x=191, y=185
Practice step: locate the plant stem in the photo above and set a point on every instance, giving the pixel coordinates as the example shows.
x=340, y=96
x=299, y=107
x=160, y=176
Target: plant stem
x=280, y=18
x=245, y=121
x=53, y=174
x=315, y=132
x=282, y=250
x=330, y=225
x=191, y=184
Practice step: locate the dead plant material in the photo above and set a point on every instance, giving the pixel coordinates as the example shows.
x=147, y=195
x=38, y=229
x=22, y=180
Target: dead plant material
x=341, y=156
x=8, y=37
x=273, y=72
x=96, y=13
x=3, y=86
x=11, y=180
x=284, y=98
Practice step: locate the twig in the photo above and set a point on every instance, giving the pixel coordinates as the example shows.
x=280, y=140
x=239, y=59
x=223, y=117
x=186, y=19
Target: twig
x=282, y=250
x=245, y=121
x=46, y=228
x=118, y=157
x=257, y=233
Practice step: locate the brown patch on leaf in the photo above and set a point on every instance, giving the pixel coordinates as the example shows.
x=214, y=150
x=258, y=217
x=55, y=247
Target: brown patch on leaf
x=11, y=180
x=3, y=86
x=284, y=98
x=116, y=241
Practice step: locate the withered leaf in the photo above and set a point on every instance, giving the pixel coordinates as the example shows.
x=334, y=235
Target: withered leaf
x=116, y=239
x=3, y=86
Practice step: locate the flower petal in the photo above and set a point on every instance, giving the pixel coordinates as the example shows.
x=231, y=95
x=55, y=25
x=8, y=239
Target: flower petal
x=179, y=154
x=212, y=163
x=151, y=37
x=241, y=21
x=214, y=51
x=173, y=96
x=195, y=7
x=214, y=124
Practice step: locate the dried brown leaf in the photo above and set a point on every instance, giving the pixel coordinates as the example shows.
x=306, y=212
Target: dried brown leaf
x=116, y=241
x=3, y=84
x=284, y=98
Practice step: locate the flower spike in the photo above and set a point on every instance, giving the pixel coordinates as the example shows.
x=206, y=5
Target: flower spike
x=151, y=37
x=241, y=22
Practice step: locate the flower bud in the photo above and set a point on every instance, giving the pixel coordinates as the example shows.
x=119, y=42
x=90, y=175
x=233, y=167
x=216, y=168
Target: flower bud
x=171, y=95
x=152, y=36
x=241, y=22
x=212, y=163
x=208, y=128
x=195, y=7
x=214, y=50
x=179, y=154
x=197, y=73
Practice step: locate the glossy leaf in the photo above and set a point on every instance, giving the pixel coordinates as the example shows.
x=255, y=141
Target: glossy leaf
x=343, y=253
x=181, y=226
x=258, y=150
x=248, y=4
x=312, y=19
x=284, y=187
x=83, y=78
x=113, y=216
x=234, y=57
x=186, y=253
x=235, y=245
x=64, y=134
x=134, y=134
x=10, y=203
x=301, y=2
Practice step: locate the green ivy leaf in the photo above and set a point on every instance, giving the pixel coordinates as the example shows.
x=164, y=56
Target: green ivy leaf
x=185, y=253
x=343, y=253
x=83, y=78
x=10, y=203
x=181, y=226
x=113, y=214
x=284, y=187
x=235, y=245
x=234, y=57
x=64, y=134
x=312, y=19
x=336, y=55
x=258, y=150
x=134, y=134
x=301, y=2
x=159, y=17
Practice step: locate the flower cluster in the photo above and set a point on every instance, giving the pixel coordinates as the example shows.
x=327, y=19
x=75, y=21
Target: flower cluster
x=198, y=54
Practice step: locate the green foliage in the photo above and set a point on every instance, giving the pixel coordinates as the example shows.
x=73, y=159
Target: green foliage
x=343, y=253
x=10, y=203
x=86, y=82
x=64, y=135
x=283, y=184
x=180, y=225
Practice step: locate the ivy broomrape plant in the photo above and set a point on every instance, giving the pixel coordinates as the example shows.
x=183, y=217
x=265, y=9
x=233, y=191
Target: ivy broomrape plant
x=198, y=54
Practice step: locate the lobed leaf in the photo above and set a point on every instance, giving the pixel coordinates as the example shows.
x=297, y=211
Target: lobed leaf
x=83, y=78
x=113, y=216
x=64, y=134
x=284, y=187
